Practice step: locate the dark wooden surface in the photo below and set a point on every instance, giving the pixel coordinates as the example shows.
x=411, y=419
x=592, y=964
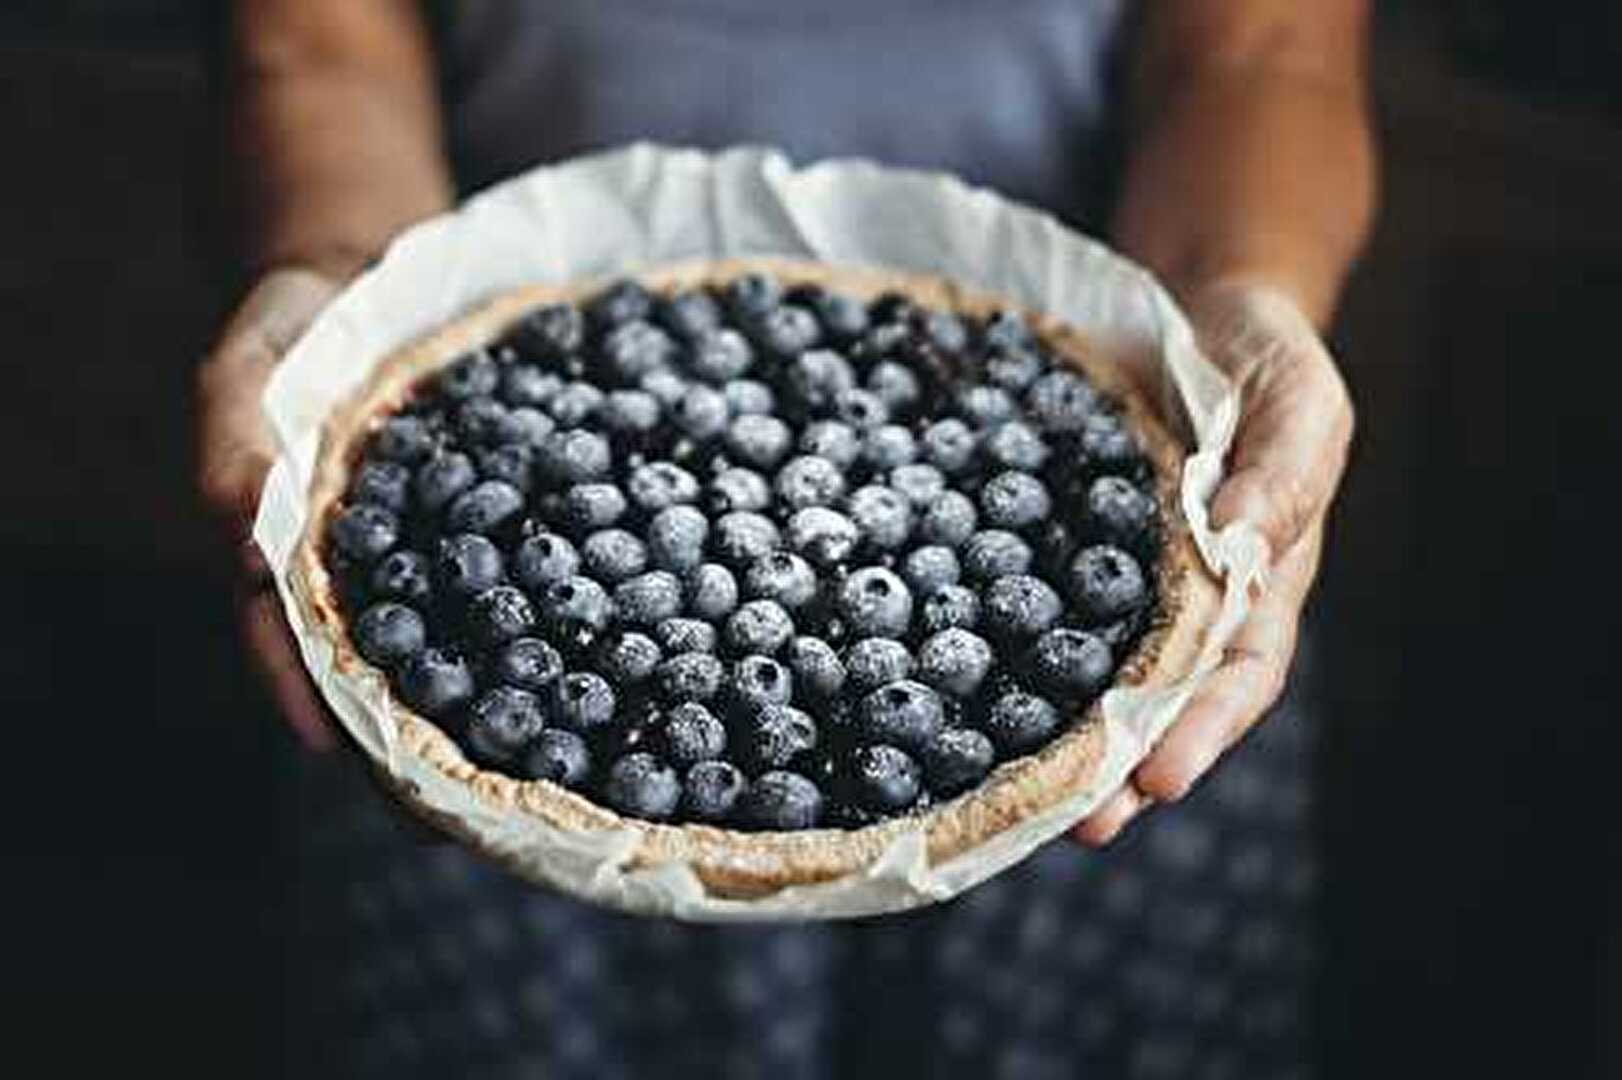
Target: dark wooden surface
x=1472, y=877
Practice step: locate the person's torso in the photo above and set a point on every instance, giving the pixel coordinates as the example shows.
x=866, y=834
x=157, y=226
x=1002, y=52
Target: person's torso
x=1011, y=93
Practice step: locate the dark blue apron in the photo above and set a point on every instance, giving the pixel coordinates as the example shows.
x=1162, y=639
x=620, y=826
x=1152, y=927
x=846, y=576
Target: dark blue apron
x=1184, y=950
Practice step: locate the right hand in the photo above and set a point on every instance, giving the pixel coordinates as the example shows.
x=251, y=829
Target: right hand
x=235, y=452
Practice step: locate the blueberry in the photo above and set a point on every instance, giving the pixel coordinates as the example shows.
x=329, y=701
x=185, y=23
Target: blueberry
x=943, y=330
x=660, y=485
x=484, y=421
x=809, y=481
x=511, y=463
x=739, y=489
x=639, y=785
x=405, y=439
x=688, y=313
x=875, y=603
x=1071, y=663
x=752, y=295
x=576, y=403
x=885, y=337
x=785, y=331
x=576, y=604
x=634, y=348
x=621, y=302
x=995, y=553
x=905, y=714
x=575, y=456
x=551, y=332
x=1020, y=722
x=648, y=598
x=888, y=446
x=746, y=396
x=895, y=385
x=1014, y=368
x=712, y=591
x=893, y=306
x=719, y=356
x=442, y=478
x=701, y=412
x=364, y=532
x=388, y=634
x=528, y=385
x=692, y=676
x=498, y=615
x=1005, y=330
x=1107, y=584
x=815, y=666
x=381, y=482
x=556, y=755
x=1060, y=401
x=664, y=384
x=948, y=520
x=758, y=681
x=817, y=377
x=825, y=537
x=1106, y=446
x=954, y=661
x=711, y=790
x=501, y=723
x=742, y=536
x=470, y=376
x=627, y=657
x=466, y=565
x=781, y=576
x=861, y=409
x=882, y=516
x=689, y=734
x=928, y=568
x=543, y=559
x=679, y=635
x=956, y=759
x=758, y=440
x=1117, y=512
x=832, y=440
x=843, y=319
x=531, y=427
x=612, y=555
x=760, y=626
x=676, y=537
x=1012, y=500
x=589, y=507
x=1015, y=445
x=774, y=735
x=920, y=484
x=402, y=575
x=780, y=800
x=985, y=406
x=949, y=606
x=483, y=507
x=582, y=701
x=528, y=663
x=874, y=662
x=435, y=683
x=630, y=412
x=949, y=445
x=1019, y=606
x=883, y=778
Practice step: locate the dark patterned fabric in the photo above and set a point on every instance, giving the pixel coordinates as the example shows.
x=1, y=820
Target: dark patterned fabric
x=1185, y=950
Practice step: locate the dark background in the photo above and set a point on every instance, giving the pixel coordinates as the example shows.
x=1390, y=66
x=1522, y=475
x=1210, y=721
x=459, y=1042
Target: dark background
x=1474, y=923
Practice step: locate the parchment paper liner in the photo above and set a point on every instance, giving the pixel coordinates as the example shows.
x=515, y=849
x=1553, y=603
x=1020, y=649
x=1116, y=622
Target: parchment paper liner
x=647, y=206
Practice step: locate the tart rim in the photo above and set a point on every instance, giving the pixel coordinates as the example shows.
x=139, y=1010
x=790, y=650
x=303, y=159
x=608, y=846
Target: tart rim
x=734, y=864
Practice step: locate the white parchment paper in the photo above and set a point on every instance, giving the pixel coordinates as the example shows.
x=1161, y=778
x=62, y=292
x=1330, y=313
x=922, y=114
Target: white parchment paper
x=647, y=205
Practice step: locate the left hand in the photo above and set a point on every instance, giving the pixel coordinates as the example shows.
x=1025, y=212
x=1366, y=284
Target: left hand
x=1288, y=455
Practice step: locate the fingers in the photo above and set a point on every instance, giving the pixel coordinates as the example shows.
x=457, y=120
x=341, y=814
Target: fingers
x=1103, y=825
x=1242, y=689
x=270, y=644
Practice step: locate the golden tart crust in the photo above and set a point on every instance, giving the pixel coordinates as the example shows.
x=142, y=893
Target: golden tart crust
x=731, y=863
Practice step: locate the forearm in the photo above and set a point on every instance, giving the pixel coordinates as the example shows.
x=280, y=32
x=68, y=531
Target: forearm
x=334, y=130
x=1253, y=162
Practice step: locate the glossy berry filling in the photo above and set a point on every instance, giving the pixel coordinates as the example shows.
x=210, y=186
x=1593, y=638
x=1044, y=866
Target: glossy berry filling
x=753, y=556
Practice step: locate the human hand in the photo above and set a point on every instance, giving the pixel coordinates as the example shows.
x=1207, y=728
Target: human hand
x=235, y=452
x=1288, y=455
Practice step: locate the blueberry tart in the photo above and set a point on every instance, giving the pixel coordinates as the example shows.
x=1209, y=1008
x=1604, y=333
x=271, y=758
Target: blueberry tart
x=767, y=561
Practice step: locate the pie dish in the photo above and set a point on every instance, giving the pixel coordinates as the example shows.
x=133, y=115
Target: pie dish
x=728, y=861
